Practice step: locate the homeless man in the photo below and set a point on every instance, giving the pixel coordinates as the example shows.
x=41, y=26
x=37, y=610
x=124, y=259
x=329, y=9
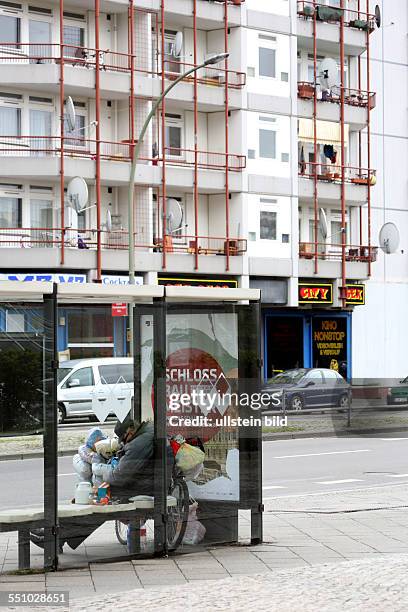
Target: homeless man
x=132, y=475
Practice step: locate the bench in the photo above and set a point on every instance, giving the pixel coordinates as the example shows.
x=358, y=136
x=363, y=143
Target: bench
x=23, y=520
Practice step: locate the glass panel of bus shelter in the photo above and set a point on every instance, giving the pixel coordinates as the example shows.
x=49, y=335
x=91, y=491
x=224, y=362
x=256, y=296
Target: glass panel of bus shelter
x=100, y=470
x=209, y=374
x=201, y=367
x=26, y=353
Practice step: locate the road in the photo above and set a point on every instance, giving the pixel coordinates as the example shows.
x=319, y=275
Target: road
x=290, y=467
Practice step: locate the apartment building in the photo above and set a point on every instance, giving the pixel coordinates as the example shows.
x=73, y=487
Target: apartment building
x=265, y=170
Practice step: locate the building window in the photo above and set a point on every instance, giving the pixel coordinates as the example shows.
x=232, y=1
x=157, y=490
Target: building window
x=10, y=29
x=174, y=135
x=10, y=121
x=74, y=38
x=41, y=222
x=171, y=63
x=267, y=144
x=10, y=212
x=267, y=225
x=267, y=62
x=78, y=131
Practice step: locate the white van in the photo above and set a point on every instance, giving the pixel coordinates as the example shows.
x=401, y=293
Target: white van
x=80, y=379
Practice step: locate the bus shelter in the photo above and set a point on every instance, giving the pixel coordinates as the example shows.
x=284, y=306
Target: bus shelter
x=188, y=401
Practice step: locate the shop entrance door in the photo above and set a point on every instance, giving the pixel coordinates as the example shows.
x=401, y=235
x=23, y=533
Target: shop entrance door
x=284, y=343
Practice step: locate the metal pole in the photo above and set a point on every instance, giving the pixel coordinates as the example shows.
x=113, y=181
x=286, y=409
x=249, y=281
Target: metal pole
x=343, y=174
x=315, y=198
x=227, y=228
x=195, y=139
x=368, y=145
x=98, y=147
x=62, y=94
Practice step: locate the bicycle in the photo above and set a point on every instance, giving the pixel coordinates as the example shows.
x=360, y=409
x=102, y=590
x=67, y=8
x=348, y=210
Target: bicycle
x=177, y=515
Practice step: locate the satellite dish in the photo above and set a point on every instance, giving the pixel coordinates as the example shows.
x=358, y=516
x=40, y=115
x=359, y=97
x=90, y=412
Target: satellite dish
x=323, y=227
x=174, y=215
x=108, y=221
x=328, y=73
x=178, y=44
x=77, y=192
x=70, y=113
x=389, y=238
x=377, y=16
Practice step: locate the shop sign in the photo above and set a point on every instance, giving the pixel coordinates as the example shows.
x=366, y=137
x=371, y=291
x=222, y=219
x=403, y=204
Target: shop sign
x=355, y=295
x=315, y=293
x=226, y=283
x=329, y=343
x=45, y=277
x=119, y=309
x=114, y=279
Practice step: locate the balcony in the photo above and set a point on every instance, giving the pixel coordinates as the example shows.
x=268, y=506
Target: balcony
x=40, y=248
x=357, y=103
x=38, y=64
x=329, y=256
x=333, y=252
x=357, y=24
x=329, y=179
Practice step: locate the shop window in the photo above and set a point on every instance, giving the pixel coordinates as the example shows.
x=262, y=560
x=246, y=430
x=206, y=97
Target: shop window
x=90, y=325
x=267, y=225
x=14, y=322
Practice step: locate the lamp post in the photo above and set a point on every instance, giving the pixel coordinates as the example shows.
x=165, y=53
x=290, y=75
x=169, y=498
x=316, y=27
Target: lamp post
x=215, y=59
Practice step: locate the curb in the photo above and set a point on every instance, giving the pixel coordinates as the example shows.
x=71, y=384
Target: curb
x=268, y=437
x=330, y=434
x=36, y=455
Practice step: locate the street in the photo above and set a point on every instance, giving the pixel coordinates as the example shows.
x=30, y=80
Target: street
x=290, y=467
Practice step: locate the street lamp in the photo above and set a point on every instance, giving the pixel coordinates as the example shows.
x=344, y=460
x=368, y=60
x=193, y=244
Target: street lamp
x=214, y=59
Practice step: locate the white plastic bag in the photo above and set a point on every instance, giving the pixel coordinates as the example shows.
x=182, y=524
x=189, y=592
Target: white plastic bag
x=195, y=531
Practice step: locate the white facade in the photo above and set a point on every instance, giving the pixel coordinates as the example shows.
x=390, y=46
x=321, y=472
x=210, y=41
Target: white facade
x=271, y=197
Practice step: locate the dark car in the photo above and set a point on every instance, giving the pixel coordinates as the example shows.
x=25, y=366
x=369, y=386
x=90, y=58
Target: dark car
x=399, y=393
x=308, y=388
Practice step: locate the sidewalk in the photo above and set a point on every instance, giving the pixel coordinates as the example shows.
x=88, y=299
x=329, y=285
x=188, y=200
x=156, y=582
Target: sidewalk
x=352, y=531
x=368, y=585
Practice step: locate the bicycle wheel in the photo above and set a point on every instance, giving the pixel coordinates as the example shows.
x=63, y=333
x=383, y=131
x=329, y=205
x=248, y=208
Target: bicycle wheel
x=121, y=532
x=178, y=514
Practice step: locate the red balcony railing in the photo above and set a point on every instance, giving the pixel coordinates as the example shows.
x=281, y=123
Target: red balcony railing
x=85, y=57
x=332, y=14
x=334, y=252
x=86, y=239
x=50, y=146
x=210, y=75
x=332, y=173
x=206, y=159
x=352, y=97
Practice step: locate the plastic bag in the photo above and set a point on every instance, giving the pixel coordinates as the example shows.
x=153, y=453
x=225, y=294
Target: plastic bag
x=189, y=457
x=193, y=473
x=195, y=531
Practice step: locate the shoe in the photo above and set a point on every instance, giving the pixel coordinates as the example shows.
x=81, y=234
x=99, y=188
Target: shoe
x=37, y=538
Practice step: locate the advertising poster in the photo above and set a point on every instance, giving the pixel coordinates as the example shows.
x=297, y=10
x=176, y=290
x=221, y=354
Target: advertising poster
x=201, y=374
